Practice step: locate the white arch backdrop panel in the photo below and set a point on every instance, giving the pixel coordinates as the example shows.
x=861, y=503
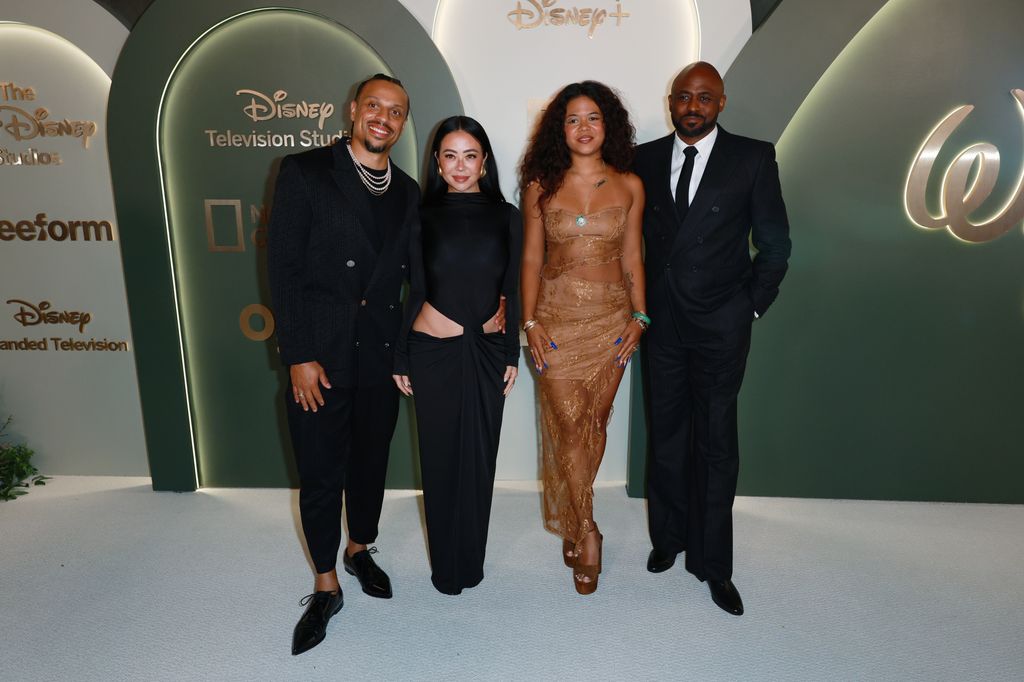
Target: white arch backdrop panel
x=86, y=25
x=68, y=372
x=506, y=70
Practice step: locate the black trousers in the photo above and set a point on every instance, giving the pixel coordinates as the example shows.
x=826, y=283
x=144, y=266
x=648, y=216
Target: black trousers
x=693, y=381
x=342, y=449
x=458, y=391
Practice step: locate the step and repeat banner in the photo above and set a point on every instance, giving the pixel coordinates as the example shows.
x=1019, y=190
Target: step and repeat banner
x=67, y=366
x=885, y=370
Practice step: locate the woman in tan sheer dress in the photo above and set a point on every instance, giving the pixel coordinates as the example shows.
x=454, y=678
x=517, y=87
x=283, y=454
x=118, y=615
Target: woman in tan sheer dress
x=583, y=298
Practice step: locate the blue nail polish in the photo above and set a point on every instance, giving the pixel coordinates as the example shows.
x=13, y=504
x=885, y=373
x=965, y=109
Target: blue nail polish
x=546, y=365
x=618, y=341
x=553, y=345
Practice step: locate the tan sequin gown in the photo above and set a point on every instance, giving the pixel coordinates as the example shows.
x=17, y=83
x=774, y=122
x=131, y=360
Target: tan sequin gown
x=584, y=318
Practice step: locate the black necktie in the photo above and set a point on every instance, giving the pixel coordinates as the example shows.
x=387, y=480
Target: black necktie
x=683, y=186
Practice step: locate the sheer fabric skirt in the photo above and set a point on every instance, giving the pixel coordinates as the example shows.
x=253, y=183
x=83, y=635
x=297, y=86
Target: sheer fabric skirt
x=584, y=318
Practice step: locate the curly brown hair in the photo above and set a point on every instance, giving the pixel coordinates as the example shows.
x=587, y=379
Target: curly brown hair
x=547, y=158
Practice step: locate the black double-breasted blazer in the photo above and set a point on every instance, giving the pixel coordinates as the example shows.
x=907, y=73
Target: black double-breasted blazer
x=336, y=298
x=702, y=266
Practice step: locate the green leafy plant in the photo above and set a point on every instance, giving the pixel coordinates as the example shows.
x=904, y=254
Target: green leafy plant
x=16, y=470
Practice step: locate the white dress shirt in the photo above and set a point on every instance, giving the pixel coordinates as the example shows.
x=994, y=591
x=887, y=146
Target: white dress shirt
x=700, y=162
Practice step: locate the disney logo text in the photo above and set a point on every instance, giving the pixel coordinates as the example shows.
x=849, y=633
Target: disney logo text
x=266, y=107
x=544, y=13
x=25, y=126
x=30, y=315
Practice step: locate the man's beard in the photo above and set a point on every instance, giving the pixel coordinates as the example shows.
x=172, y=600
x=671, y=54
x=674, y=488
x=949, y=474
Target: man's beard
x=705, y=126
x=373, y=146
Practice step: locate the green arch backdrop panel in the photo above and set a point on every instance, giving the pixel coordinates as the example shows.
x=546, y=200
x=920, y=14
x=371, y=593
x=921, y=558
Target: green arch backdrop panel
x=195, y=266
x=224, y=126
x=889, y=367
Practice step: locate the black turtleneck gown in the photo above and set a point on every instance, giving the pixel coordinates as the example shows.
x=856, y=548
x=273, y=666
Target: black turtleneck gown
x=464, y=256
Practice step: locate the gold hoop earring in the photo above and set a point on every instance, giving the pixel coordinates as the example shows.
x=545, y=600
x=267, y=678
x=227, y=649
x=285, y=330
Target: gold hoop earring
x=439, y=171
x=483, y=172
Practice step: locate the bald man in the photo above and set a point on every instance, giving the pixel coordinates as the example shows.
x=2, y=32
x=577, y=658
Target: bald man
x=709, y=195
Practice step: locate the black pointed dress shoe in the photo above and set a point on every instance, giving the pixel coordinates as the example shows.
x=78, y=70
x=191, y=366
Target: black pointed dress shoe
x=659, y=562
x=373, y=580
x=312, y=627
x=725, y=594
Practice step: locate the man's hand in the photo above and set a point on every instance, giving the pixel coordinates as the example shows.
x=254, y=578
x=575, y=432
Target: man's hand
x=307, y=377
x=402, y=381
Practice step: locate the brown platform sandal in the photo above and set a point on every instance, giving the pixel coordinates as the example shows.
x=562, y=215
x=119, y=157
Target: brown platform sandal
x=584, y=576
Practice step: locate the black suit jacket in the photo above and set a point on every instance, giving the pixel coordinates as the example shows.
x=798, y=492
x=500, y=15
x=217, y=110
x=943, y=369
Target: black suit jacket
x=702, y=267
x=336, y=299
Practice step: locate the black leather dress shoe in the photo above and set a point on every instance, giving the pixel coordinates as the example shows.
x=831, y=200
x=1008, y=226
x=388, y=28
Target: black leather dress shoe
x=725, y=594
x=312, y=627
x=658, y=562
x=373, y=580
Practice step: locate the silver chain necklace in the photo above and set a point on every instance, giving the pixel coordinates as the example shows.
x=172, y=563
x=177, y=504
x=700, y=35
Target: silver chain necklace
x=374, y=185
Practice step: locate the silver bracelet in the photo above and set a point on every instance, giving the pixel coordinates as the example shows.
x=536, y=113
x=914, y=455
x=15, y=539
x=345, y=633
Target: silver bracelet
x=529, y=324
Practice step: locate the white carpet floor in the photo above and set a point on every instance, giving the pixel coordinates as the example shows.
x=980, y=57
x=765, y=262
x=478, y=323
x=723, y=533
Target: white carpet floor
x=103, y=579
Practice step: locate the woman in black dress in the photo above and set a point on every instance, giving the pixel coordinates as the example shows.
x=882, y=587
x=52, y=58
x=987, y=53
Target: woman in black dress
x=463, y=258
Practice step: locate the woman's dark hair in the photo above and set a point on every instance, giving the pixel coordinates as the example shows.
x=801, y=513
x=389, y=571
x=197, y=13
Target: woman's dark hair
x=547, y=158
x=436, y=186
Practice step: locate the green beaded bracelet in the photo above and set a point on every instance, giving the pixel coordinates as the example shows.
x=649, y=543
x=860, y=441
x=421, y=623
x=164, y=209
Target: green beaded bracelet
x=642, y=317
